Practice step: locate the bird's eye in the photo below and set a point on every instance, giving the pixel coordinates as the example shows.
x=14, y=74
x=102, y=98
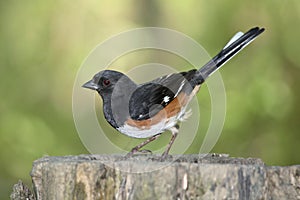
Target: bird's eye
x=106, y=82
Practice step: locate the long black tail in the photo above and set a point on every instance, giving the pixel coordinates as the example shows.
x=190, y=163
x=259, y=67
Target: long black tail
x=232, y=48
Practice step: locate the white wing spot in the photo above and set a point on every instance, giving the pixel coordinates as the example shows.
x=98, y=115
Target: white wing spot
x=166, y=99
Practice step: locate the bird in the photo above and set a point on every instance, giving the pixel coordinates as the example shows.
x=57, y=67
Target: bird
x=149, y=109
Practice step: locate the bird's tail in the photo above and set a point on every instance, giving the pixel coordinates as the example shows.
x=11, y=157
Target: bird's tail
x=236, y=44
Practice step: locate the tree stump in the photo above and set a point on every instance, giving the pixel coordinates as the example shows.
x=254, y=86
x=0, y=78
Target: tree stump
x=211, y=176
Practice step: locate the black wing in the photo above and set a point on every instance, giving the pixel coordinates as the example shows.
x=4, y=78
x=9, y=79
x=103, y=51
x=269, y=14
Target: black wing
x=149, y=98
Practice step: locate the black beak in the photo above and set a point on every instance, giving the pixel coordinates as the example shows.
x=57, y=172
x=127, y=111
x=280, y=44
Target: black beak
x=91, y=85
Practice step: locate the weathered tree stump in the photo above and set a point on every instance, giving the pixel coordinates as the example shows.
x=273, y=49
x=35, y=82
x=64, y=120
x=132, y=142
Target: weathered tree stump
x=144, y=177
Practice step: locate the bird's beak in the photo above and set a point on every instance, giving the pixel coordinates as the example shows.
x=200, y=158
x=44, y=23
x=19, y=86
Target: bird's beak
x=91, y=85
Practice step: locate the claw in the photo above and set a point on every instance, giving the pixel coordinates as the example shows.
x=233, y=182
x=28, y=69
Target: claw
x=135, y=150
x=145, y=151
x=162, y=158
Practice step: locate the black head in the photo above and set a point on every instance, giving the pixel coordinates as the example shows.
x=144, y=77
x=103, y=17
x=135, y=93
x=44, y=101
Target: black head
x=104, y=81
x=115, y=89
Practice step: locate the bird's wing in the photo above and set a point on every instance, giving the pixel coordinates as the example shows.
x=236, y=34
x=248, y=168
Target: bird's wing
x=149, y=98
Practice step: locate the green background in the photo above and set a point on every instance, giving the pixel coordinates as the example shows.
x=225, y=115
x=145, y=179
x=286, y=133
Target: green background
x=43, y=44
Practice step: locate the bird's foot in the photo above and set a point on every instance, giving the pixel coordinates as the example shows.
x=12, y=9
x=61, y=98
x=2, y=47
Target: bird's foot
x=136, y=151
x=162, y=158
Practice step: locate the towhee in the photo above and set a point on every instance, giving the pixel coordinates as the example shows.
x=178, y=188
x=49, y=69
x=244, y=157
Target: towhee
x=147, y=110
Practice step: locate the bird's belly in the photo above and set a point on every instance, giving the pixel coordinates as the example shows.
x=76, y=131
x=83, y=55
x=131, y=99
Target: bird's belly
x=147, y=131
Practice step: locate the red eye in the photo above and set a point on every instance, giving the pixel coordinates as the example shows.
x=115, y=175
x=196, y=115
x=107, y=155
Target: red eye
x=106, y=82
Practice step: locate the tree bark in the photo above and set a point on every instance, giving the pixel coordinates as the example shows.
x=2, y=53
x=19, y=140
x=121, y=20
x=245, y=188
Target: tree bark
x=212, y=176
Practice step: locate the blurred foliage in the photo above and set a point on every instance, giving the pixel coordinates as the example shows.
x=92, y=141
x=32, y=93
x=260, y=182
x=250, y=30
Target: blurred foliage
x=43, y=44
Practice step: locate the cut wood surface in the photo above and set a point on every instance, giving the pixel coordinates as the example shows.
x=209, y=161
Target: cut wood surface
x=211, y=176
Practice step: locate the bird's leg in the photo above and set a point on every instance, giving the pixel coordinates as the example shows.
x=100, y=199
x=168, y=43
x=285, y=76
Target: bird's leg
x=138, y=147
x=174, y=131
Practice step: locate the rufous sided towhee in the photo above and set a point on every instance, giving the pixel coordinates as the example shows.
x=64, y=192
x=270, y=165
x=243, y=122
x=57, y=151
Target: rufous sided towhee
x=147, y=110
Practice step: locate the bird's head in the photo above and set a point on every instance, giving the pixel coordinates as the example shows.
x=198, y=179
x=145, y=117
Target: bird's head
x=104, y=82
